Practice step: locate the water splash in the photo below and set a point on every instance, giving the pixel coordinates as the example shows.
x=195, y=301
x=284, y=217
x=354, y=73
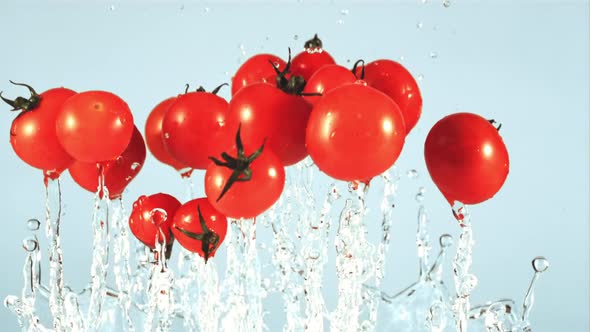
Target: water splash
x=56, y=277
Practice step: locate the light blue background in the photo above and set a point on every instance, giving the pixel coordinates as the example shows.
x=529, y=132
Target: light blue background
x=523, y=64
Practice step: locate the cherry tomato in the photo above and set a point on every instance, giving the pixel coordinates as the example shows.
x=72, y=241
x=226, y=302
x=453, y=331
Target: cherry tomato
x=117, y=173
x=192, y=128
x=199, y=228
x=32, y=134
x=154, y=137
x=326, y=79
x=152, y=217
x=257, y=69
x=355, y=132
x=246, y=183
x=94, y=126
x=266, y=112
x=312, y=58
x=396, y=81
x=466, y=158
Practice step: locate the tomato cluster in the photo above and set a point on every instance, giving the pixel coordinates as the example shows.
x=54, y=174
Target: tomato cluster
x=351, y=122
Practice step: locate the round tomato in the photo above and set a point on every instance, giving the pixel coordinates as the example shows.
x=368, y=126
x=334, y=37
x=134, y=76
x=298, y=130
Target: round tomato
x=313, y=57
x=266, y=112
x=326, y=79
x=246, y=183
x=355, y=133
x=396, y=81
x=152, y=217
x=199, y=228
x=32, y=134
x=466, y=158
x=257, y=69
x=117, y=173
x=192, y=128
x=154, y=137
x=94, y=126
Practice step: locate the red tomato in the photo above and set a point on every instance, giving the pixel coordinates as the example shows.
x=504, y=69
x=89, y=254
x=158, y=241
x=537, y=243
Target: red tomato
x=266, y=112
x=251, y=194
x=355, y=132
x=326, y=79
x=313, y=57
x=466, y=158
x=192, y=128
x=257, y=69
x=32, y=134
x=154, y=137
x=396, y=81
x=117, y=173
x=199, y=228
x=94, y=126
x=152, y=217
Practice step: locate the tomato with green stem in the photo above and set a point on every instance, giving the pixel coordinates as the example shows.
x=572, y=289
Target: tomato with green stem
x=246, y=183
x=466, y=158
x=151, y=219
x=256, y=70
x=276, y=113
x=313, y=58
x=193, y=127
x=199, y=227
x=32, y=133
x=326, y=79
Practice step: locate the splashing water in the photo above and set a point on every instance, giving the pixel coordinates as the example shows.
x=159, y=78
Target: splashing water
x=138, y=291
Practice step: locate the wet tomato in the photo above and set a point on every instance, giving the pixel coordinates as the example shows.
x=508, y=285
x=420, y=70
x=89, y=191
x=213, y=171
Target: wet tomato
x=326, y=79
x=151, y=218
x=313, y=57
x=154, y=137
x=257, y=69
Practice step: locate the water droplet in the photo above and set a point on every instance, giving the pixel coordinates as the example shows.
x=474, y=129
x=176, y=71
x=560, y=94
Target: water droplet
x=419, y=25
x=540, y=264
x=266, y=283
x=10, y=301
x=166, y=135
x=158, y=216
x=420, y=77
x=33, y=224
x=468, y=284
x=243, y=49
x=445, y=240
x=344, y=12
x=332, y=134
x=424, y=1
x=112, y=7
x=447, y=3
x=207, y=9
x=296, y=37
x=412, y=174
x=420, y=195
x=182, y=7
x=135, y=166
x=433, y=55
x=401, y=58
x=340, y=21
x=30, y=244
x=347, y=60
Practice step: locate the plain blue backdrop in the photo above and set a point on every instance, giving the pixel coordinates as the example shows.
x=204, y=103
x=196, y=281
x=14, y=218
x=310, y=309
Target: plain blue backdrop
x=524, y=64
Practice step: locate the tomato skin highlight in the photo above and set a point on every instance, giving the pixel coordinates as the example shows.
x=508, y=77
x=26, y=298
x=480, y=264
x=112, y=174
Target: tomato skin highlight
x=187, y=218
x=118, y=173
x=33, y=137
x=397, y=82
x=154, y=137
x=466, y=158
x=309, y=61
x=256, y=69
x=193, y=128
x=146, y=220
x=94, y=126
x=327, y=79
x=355, y=132
x=250, y=198
x=266, y=112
